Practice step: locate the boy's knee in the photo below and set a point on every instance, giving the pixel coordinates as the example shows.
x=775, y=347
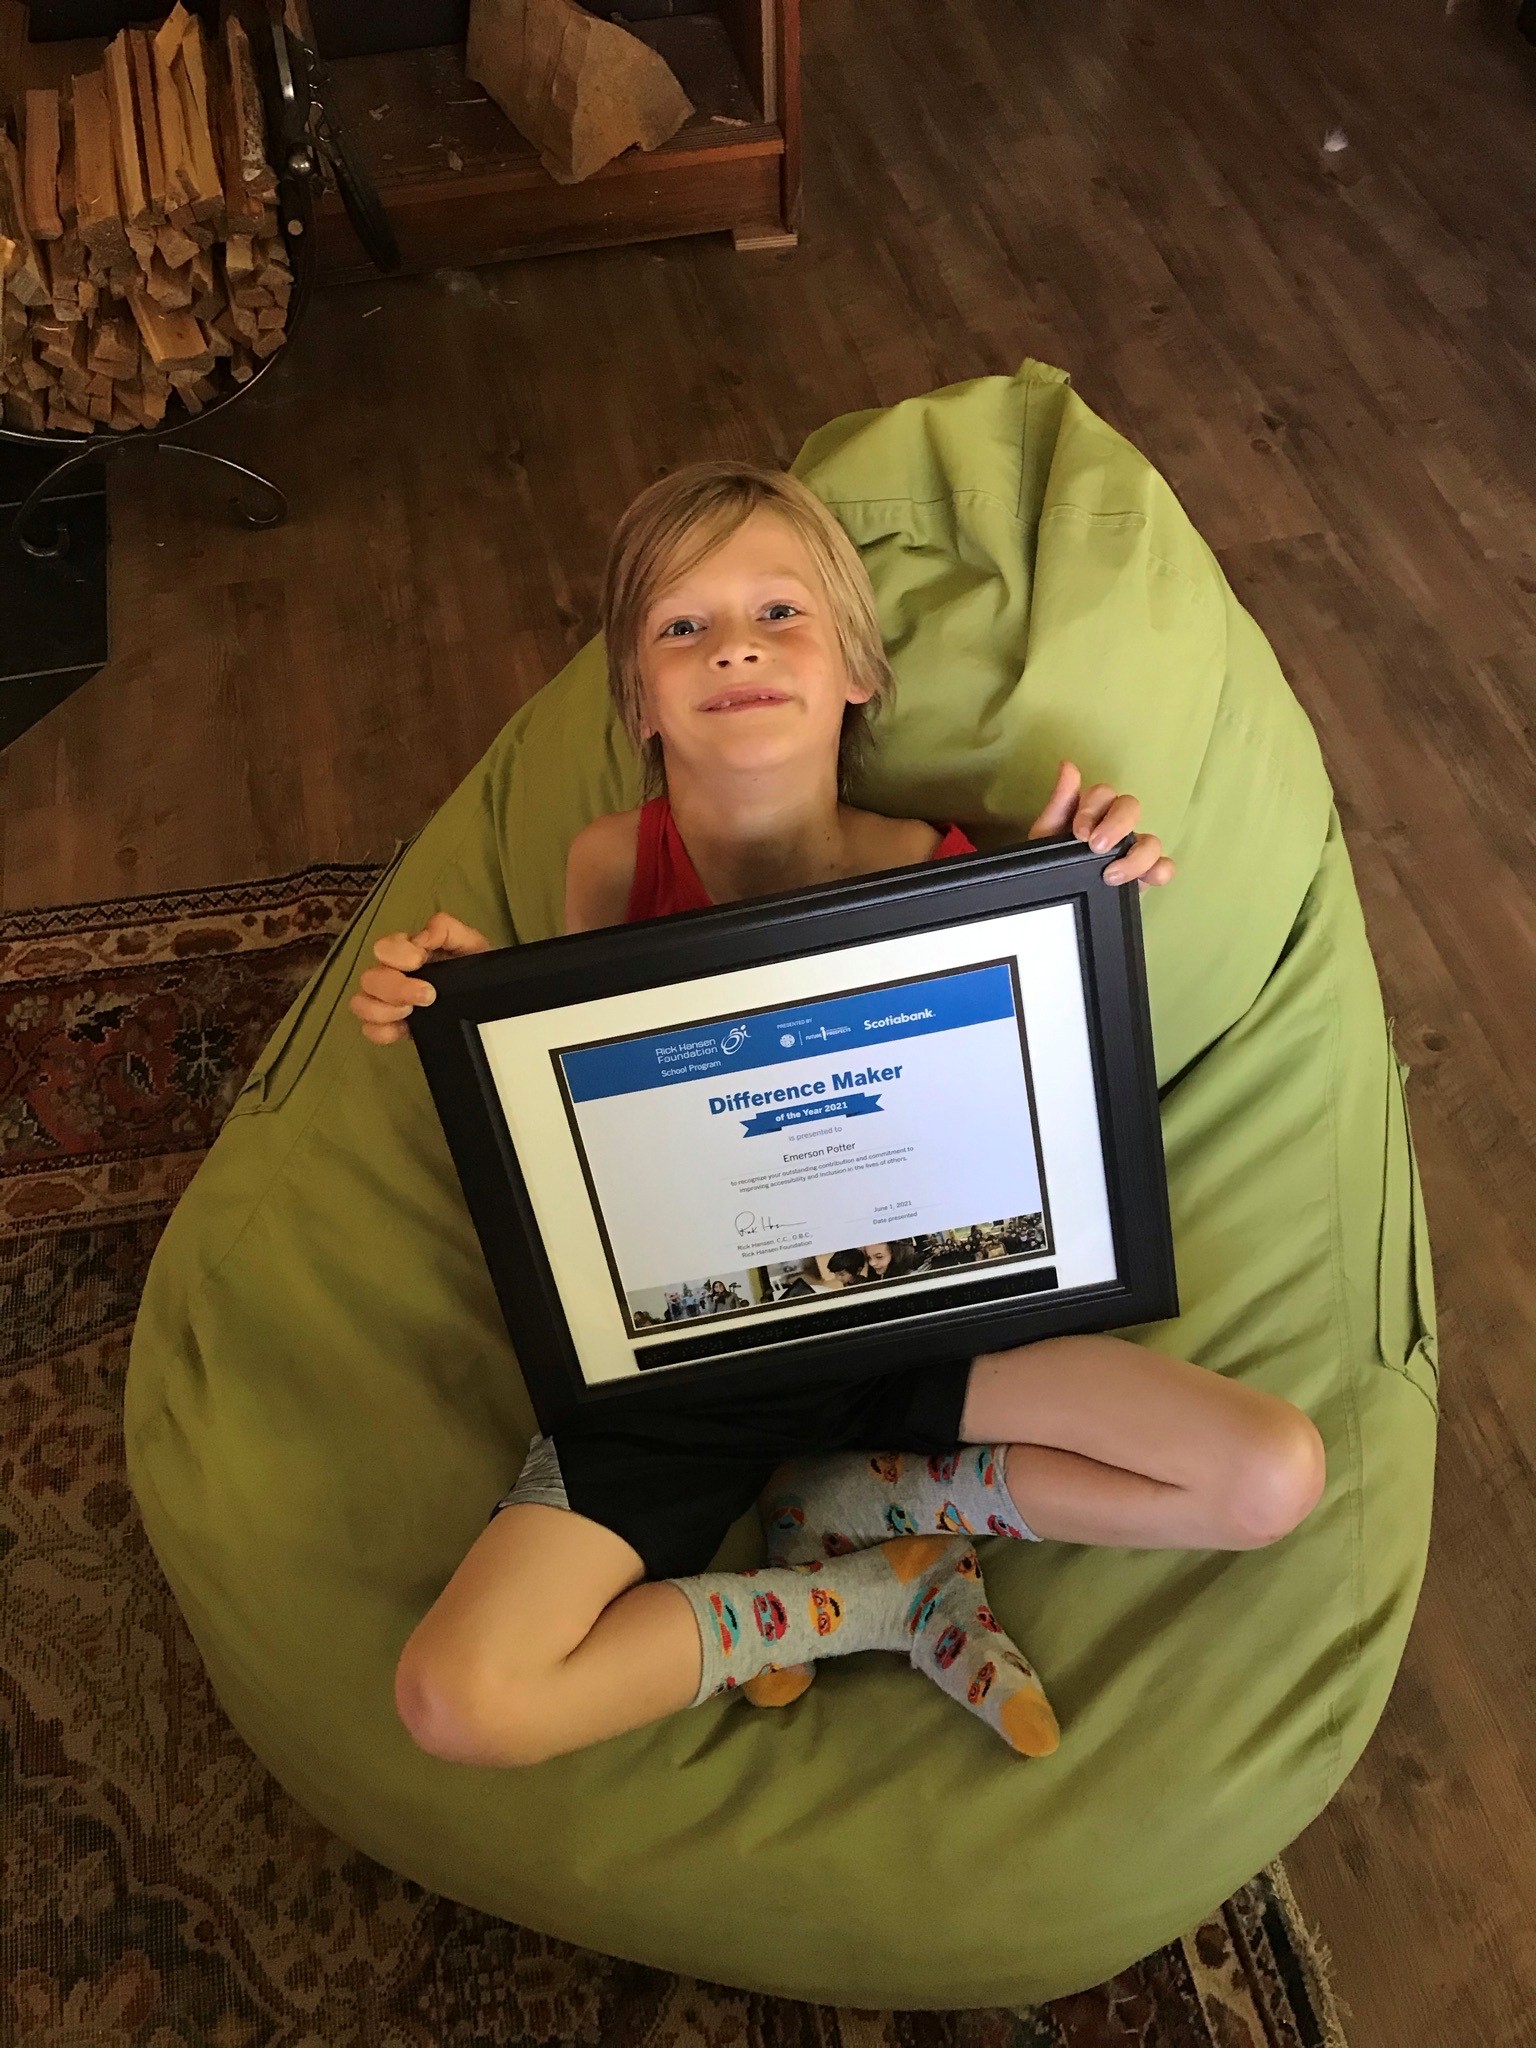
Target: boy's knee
x=1280, y=1485
x=453, y=1713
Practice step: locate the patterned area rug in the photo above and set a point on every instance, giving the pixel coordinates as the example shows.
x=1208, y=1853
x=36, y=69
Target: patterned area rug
x=157, y=1888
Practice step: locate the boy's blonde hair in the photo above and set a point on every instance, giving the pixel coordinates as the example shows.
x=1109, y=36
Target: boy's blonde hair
x=677, y=522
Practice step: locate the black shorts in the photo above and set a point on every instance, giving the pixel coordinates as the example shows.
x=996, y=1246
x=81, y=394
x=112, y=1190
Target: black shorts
x=671, y=1481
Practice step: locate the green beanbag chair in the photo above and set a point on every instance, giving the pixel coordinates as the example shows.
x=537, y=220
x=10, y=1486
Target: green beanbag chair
x=323, y=1405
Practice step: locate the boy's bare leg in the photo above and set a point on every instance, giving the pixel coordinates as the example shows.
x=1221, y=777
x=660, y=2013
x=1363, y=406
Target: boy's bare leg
x=546, y=1638
x=1108, y=1442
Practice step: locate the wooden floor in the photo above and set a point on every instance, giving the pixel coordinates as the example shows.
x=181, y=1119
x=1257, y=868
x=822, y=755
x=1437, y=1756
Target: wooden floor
x=1330, y=354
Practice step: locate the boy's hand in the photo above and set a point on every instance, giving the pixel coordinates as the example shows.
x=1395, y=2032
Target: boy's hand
x=1101, y=817
x=386, y=994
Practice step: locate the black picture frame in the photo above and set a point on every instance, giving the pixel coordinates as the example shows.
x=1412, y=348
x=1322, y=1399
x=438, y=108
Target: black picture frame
x=874, y=1328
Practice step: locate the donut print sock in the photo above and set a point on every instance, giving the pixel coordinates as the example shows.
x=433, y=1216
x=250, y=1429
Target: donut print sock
x=919, y=1595
x=826, y=1506
x=831, y=1505
x=757, y=1621
x=959, y=1643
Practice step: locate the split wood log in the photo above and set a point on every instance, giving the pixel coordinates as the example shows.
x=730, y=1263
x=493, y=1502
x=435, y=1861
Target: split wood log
x=127, y=149
x=143, y=68
x=42, y=165
x=26, y=411
x=247, y=123
x=24, y=278
x=66, y=257
x=207, y=290
x=170, y=32
x=131, y=398
x=189, y=70
x=67, y=208
x=96, y=201
x=581, y=90
x=174, y=340
x=114, y=349
x=179, y=190
x=62, y=419
x=175, y=247
x=68, y=352
x=169, y=288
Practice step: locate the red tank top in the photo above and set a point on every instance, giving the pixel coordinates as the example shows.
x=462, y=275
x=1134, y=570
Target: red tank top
x=666, y=879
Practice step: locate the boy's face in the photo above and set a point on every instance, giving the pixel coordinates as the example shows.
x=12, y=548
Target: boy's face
x=740, y=658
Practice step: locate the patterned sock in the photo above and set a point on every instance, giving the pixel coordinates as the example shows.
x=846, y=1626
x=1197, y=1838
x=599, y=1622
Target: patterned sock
x=804, y=1610
x=829, y=1506
x=959, y=1643
x=920, y=1595
x=854, y=1498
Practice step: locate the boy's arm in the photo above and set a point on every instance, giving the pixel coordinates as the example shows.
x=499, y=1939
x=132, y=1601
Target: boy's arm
x=600, y=871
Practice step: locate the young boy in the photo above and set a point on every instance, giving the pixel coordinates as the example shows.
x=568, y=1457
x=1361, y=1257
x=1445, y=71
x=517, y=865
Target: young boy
x=745, y=658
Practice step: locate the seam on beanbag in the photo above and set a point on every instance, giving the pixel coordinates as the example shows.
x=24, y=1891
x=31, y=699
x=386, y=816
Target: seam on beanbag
x=196, y=1292
x=1348, y=1389
x=942, y=498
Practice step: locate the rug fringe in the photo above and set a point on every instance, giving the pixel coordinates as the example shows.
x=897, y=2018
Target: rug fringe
x=1316, y=1958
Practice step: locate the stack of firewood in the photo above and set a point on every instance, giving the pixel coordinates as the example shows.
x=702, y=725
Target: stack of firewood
x=139, y=240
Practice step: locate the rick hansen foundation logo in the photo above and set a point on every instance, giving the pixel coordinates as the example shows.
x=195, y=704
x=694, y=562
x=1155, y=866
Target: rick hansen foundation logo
x=734, y=1039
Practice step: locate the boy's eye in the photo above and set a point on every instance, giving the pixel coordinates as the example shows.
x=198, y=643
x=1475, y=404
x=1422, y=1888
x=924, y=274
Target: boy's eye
x=782, y=604
x=666, y=631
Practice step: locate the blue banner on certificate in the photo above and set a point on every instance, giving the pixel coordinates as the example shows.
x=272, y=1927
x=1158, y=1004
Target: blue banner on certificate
x=866, y=1137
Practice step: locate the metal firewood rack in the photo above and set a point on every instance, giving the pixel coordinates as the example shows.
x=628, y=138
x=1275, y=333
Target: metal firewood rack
x=308, y=150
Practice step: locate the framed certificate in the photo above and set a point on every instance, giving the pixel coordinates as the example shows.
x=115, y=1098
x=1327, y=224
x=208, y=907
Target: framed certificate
x=814, y=1136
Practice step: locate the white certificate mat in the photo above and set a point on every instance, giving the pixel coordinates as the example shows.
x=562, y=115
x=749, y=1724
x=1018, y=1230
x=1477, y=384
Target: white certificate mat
x=911, y=1115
